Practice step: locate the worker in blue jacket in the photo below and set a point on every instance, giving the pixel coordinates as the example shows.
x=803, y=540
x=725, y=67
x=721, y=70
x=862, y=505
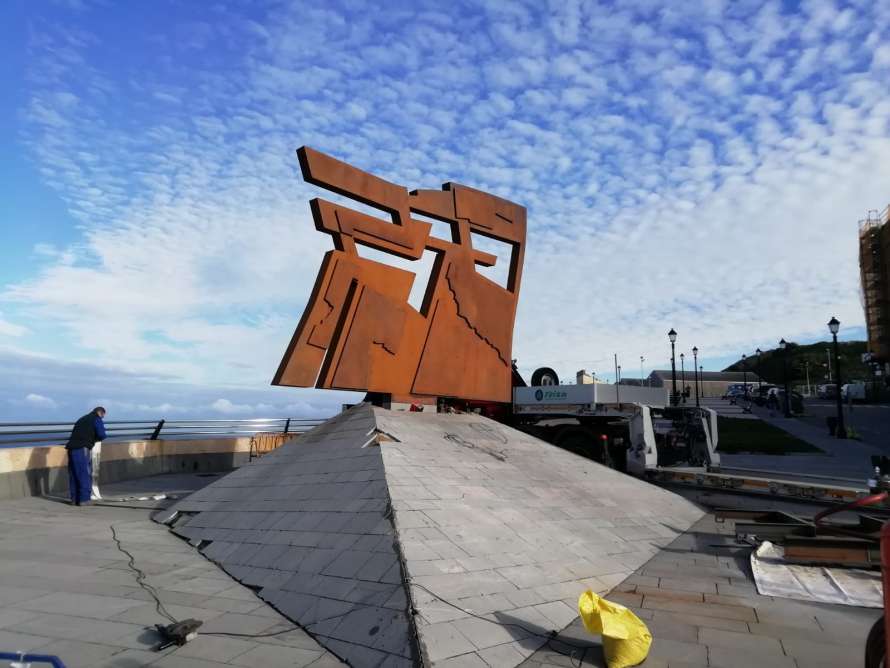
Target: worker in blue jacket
x=87, y=430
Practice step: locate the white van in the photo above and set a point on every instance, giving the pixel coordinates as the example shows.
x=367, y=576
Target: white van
x=853, y=392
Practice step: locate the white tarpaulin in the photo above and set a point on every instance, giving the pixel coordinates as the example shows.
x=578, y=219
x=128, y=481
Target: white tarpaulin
x=846, y=586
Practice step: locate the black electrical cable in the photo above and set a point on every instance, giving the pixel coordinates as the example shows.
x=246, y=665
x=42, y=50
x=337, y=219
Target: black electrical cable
x=571, y=655
x=550, y=635
x=253, y=635
x=273, y=633
x=140, y=578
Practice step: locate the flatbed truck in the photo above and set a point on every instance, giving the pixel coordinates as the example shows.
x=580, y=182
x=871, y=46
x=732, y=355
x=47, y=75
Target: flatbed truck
x=630, y=428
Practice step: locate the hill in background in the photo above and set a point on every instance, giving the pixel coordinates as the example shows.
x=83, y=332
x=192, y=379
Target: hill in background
x=814, y=355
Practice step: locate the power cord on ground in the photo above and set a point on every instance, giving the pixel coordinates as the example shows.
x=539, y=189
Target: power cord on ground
x=550, y=636
x=140, y=577
x=178, y=632
x=255, y=635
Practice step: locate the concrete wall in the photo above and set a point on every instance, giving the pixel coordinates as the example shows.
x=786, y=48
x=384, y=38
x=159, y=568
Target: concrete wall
x=43, y=470
x=708, y=388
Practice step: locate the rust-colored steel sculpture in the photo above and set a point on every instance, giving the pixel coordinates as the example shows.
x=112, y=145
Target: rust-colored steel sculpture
x=359, y=332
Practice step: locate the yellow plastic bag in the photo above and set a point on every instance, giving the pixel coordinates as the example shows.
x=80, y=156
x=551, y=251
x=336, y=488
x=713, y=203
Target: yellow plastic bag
x=626, y=639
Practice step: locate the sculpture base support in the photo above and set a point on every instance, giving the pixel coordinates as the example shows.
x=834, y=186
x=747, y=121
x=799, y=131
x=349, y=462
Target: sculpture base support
x=370, y=529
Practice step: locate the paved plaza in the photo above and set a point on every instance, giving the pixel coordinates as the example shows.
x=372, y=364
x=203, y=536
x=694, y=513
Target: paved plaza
x=66, y=590
x=698, y=598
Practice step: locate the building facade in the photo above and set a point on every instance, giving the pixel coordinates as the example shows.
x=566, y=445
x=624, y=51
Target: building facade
x=710, y=383
x=874, y=268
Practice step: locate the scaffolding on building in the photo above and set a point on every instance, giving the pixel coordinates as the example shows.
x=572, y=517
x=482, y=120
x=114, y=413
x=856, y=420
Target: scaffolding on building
x=874, y=266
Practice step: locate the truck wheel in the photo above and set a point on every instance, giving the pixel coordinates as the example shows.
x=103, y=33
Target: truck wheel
x=875, y=649
x=583, y=443
x=617, y=455
x=544, y=376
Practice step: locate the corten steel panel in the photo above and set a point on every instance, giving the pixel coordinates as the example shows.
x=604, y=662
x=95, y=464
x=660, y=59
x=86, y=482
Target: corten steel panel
x=359, y=332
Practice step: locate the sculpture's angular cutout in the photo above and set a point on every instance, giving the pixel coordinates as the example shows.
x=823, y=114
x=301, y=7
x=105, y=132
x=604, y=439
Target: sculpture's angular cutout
x=359, y=332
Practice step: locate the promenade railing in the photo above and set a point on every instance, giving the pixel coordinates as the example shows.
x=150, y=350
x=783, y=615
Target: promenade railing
x=29, y=434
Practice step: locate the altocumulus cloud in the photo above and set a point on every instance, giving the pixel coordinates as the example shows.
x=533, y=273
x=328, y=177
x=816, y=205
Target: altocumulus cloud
x=40, y=401
x=695, y=165
x=228, y=407
x=8, y=328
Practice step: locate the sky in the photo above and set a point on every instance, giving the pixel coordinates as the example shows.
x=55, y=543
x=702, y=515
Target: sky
x=695, y=165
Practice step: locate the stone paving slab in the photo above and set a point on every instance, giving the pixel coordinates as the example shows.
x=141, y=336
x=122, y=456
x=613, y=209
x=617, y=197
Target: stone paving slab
x=697, y=629
x=75, y=599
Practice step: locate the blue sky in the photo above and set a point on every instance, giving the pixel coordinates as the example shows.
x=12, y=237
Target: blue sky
x=700, y=166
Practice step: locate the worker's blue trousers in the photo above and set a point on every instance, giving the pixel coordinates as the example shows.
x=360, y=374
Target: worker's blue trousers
x=80, y=476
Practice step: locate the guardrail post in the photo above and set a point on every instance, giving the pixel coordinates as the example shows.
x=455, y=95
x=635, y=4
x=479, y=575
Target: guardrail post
x=287, y=426
x=157, y=431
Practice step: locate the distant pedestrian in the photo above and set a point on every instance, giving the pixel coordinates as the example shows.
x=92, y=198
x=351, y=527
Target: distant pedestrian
x=87, y=431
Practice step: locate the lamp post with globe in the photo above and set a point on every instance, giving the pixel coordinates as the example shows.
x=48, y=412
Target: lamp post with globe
x=683, y=377
x=833, y=326
x=672, y=335
x=759, y=376
x=784, y=346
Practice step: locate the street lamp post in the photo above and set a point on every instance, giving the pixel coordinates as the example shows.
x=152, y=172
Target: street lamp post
x=672, y=335
x=683, y=377
x=642, y=359
x=759, y=376
x=745, y=375
x=784, y=346
x=874, y=377
x=868, y=361
x=834, y=325
x=695, y=370
x=701, y=370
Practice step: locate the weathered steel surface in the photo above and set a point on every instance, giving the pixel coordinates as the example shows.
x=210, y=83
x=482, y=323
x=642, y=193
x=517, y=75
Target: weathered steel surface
x=359, y=332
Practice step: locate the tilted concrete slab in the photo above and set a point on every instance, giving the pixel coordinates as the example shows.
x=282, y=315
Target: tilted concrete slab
x=497, y=523
x=309, y=528
x=492, y=533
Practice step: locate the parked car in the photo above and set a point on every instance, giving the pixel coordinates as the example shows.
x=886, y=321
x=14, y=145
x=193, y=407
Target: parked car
x=729, y=390
x=827, y=391
x=759, y=394
x=734, y=395
x=853, y=392
x=737, y=391
x=775, y=399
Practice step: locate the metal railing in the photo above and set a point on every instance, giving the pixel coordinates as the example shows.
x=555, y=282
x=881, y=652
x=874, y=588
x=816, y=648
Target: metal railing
x=25, y=434
x=25, y=659
x=875, y=218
